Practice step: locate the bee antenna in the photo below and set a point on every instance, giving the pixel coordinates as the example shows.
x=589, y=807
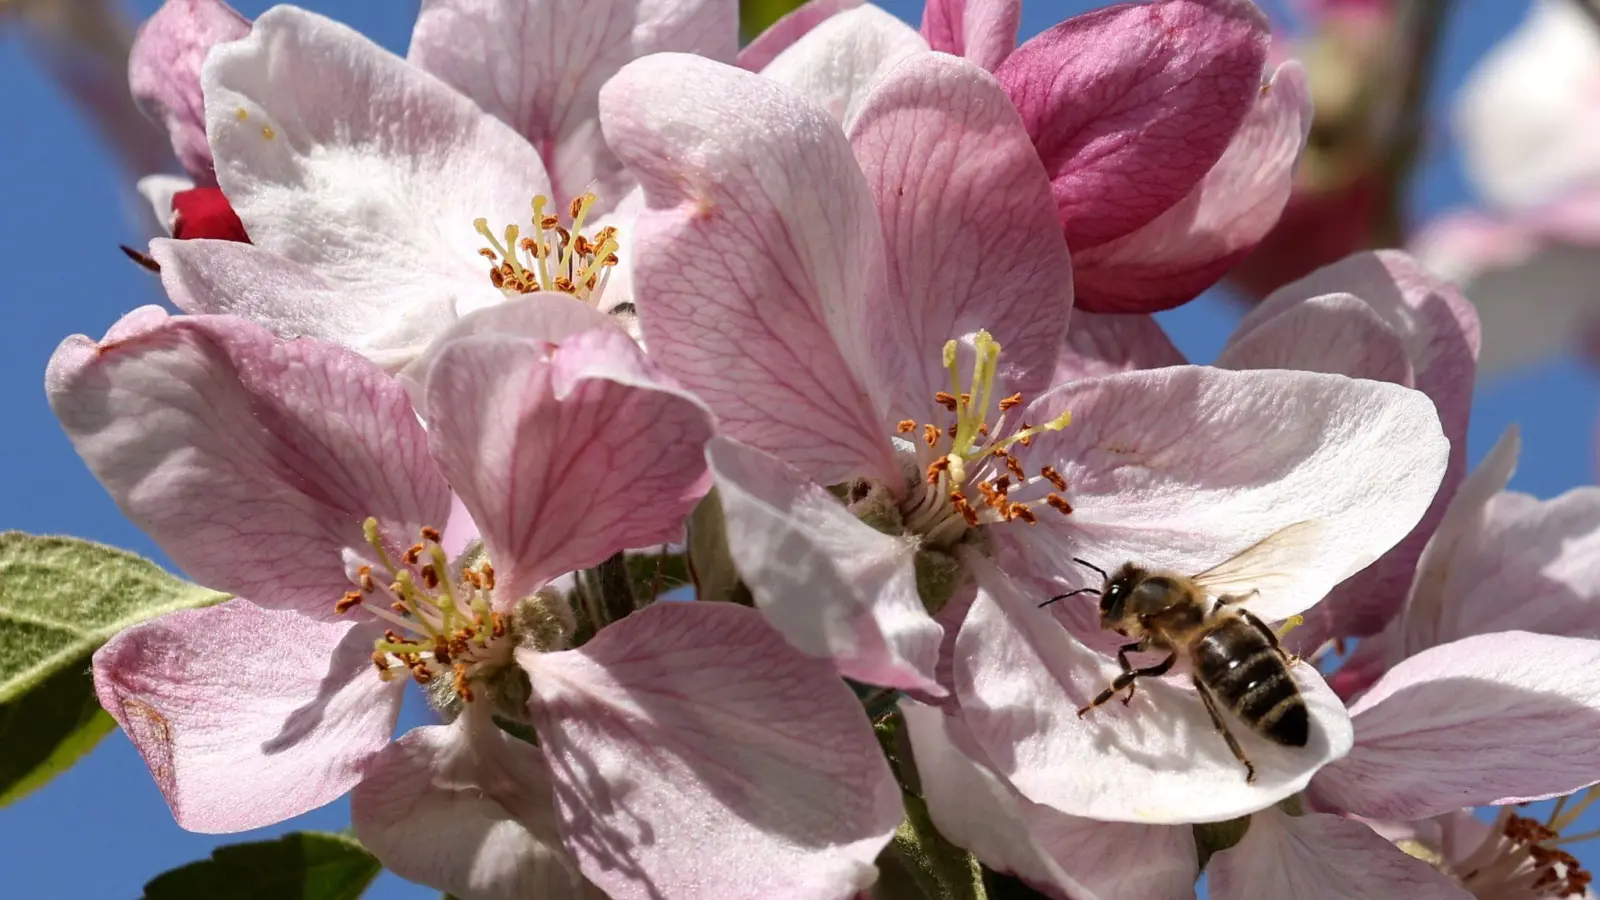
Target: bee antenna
x=1085, y=562
x=1068, y=594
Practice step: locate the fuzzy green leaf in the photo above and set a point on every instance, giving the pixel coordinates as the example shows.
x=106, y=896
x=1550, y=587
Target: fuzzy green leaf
x=305, y=865
x=756, y=15
x=60, y=599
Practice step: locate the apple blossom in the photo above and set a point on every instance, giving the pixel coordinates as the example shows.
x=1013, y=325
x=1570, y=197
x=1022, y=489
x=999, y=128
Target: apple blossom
x=1170, y=96
x=295, y=474
x=375, y=236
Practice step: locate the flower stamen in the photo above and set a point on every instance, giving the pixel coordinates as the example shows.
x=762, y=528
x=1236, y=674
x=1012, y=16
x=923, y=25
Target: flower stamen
x=523, y=264
x=443, y=622
x=978, y=456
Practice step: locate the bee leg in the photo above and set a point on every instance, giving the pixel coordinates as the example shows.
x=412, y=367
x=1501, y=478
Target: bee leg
x=1126, y=679
x=1231, y=599
x=1271, y=636
x=1233, y=743
x=1122, y=660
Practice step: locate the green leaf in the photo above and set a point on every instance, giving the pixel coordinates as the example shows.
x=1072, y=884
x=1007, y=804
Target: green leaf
x=60, y=599
x=305, y=865
x=756, y=15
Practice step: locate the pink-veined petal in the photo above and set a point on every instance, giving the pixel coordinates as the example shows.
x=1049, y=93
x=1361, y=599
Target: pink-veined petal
x=247, y=716
x=546, y=317
x=538, y=65
x=1439, y=332
x=1427, y=609
x=1099, y=344
x=968, y=224
x=755, y=259
x=467, y=809
x=1021, y=678
x=834, y=586
x=1182, y=468
x=1186, y=249
x=1062, y=856
x=1132, y=105
x=251, y=461
x=1339, y=334
x=1495, y=718
x=984, y=31
x=164, y=74
x=794, y=25
x=695, y=754
x=1321, y=857
x=565, y=454
x=837, y=63
x=343, y=157
x=212, y=277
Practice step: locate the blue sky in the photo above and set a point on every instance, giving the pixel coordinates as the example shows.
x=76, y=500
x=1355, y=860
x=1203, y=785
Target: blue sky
x=102, y=830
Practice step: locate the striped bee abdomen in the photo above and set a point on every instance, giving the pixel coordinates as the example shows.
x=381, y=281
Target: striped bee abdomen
x=1237, y=662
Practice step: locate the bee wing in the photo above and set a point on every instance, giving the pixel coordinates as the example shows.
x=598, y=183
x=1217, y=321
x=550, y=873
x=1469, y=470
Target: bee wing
x=1263, y=566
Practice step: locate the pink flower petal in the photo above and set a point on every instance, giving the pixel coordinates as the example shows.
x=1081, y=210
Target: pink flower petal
x=377, y=192
x=1495, y=718
x=1100, y=344
x=1021, y=677
x=247, y=716
x=1321, y=857
x=1055, y=853
x=164, y=74
x=1182, y=468
x=984, y=31
x=158, y=191
x=252, y=462
x=208, y=277
x=565, y=455
x=1424, y=618
x=1339, y=334
x=755, y=259
x=545, y=318
x=968, y=224
x=538, y=65
x=1186, y=249
x=467, y=809
x=1132, y=105
x=837, y=62
x=834, y=586
x=1439, y=332
x=695, y=754
x=794, y=25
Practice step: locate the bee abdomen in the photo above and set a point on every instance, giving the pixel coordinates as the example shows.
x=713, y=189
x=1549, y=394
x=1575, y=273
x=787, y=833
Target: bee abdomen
x=1240, y=667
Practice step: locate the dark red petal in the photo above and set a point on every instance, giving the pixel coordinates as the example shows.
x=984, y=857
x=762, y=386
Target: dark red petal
x=205, y=213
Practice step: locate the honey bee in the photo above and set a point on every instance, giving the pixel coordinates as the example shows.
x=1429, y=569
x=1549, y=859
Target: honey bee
x=1234, y=658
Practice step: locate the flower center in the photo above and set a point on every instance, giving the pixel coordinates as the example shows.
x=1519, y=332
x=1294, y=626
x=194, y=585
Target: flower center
x=551, y=257
x=444, y=621
x=1522, y=859
x=970, y=457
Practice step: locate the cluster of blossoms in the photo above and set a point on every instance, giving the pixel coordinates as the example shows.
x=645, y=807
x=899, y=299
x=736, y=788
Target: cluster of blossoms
x=867, y=307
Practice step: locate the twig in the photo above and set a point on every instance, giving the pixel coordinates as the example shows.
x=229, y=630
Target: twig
x=1400, y=124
